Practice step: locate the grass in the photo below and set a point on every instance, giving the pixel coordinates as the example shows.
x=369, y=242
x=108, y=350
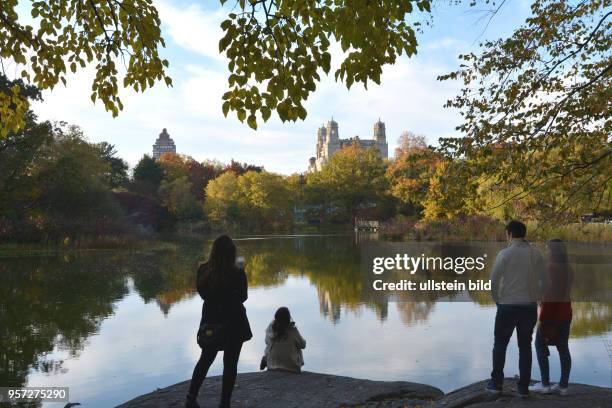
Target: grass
x=481, y=228
x=108, y=243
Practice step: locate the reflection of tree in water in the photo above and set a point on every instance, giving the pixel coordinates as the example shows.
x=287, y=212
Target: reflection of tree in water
x=166, y=277
x=265, y=269
x=332, y=264
x=591, y=318
x=51, y=303
x=57, y=302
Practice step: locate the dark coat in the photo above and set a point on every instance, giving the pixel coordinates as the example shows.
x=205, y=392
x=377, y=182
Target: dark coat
x=225, y=306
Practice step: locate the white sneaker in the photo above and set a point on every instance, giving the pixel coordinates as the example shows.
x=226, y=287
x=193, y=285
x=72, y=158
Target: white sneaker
x=559, y=390
x=540, y=388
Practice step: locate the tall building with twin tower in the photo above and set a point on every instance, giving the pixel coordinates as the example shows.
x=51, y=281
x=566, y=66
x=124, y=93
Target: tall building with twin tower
x=329, y=142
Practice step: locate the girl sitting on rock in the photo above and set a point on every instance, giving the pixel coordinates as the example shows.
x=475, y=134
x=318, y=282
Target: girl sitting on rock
x=284, y=344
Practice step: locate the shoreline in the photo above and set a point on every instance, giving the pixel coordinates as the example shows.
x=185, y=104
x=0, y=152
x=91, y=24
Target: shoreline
x=277, y=389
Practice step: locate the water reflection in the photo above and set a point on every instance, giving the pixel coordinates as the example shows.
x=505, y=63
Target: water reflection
x=56, y=303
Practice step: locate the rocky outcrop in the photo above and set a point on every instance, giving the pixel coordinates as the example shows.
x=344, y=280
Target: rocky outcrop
x=276, y=389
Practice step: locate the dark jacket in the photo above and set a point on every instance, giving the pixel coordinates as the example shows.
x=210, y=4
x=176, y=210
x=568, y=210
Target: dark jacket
x=226, y=305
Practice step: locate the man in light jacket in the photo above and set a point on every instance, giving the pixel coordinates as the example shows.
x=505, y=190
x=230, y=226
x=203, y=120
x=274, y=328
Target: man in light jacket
x=517, y=279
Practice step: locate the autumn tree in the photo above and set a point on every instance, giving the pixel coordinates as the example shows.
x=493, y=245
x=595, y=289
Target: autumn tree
x=264, y=200
x=276, y=49
x=296, y=183
x=221, y=205
x=536, y=109
x=147, y=176
x=18, y=150
x=352, y=181
x=410, y=141
x=253, y=200
x=200, y=174
x=174, y=165
x=118, y=168
x=176, y=196
x=240, y=168
x=72, y=191
x=449, y=193
x=410, y=173
x=54, y=183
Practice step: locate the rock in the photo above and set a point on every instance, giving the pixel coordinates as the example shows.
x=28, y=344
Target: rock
x=475, y=396
x=276, y=389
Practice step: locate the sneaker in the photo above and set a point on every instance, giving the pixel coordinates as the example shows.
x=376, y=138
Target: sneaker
x=540, y=388
x=558, y=389
x=493, y=387
x=523, y=392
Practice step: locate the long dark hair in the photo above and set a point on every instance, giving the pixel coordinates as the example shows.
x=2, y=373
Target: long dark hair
x=559, y=257
x=282, y=322
x=558, y=252
x=218, y=271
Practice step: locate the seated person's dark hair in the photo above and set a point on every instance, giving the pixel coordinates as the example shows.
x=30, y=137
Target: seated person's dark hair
x=517, y=229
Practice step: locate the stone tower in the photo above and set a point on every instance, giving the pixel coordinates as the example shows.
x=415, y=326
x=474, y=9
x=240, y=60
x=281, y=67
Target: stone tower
x=332, y=131
x=163, y=144
x=332, y=140
x=380, y=137
x=321, y=138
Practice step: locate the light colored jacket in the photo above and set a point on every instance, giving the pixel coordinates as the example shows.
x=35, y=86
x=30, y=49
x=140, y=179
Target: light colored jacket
x=285, y=353
x=518, y=274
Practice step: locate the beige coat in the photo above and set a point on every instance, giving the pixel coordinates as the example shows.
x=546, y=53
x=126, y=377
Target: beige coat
x=518, y=274
x=286, y=353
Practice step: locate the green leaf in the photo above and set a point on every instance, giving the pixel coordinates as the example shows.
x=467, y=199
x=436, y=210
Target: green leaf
x=252, y=122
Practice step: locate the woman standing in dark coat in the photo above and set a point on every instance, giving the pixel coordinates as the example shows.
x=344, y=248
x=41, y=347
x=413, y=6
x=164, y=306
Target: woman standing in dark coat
x=223, y=286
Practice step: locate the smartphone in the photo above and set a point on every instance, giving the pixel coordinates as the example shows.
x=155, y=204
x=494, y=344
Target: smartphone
x=240, y=262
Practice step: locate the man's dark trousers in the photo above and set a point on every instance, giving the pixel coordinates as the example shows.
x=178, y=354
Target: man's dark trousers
x=509, y=317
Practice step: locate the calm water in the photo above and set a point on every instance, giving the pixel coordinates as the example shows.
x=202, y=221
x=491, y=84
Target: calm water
x=112, y=325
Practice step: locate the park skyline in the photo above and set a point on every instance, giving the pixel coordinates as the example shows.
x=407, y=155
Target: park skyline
x=409, y=97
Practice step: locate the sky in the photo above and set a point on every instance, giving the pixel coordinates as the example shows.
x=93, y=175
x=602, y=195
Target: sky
x=408, y=98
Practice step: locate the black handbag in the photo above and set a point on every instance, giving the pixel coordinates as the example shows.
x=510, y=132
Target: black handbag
x=212, y=335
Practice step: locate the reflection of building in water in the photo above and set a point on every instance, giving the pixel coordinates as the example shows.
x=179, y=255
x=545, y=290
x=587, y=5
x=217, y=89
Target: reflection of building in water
x=327, y=307
x=365, y=236
x=163, y=144
x=329, y=142
x=412, y=312
x=382, y=309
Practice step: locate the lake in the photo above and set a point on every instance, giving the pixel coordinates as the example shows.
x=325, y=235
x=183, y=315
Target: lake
x=115, y=324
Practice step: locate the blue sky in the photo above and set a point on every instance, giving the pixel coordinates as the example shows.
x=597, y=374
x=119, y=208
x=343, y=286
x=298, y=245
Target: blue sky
x=409, y=97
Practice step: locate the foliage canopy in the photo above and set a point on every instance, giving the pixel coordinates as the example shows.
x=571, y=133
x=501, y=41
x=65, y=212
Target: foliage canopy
x=276, y=49
x=536, y=110
x=119, y=38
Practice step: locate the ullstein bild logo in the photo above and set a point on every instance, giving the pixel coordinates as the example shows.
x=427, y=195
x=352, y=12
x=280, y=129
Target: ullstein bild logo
x=412, y=264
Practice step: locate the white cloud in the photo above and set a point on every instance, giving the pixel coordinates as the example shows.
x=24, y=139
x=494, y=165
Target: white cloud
x=192, y=27
x=446, y=44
